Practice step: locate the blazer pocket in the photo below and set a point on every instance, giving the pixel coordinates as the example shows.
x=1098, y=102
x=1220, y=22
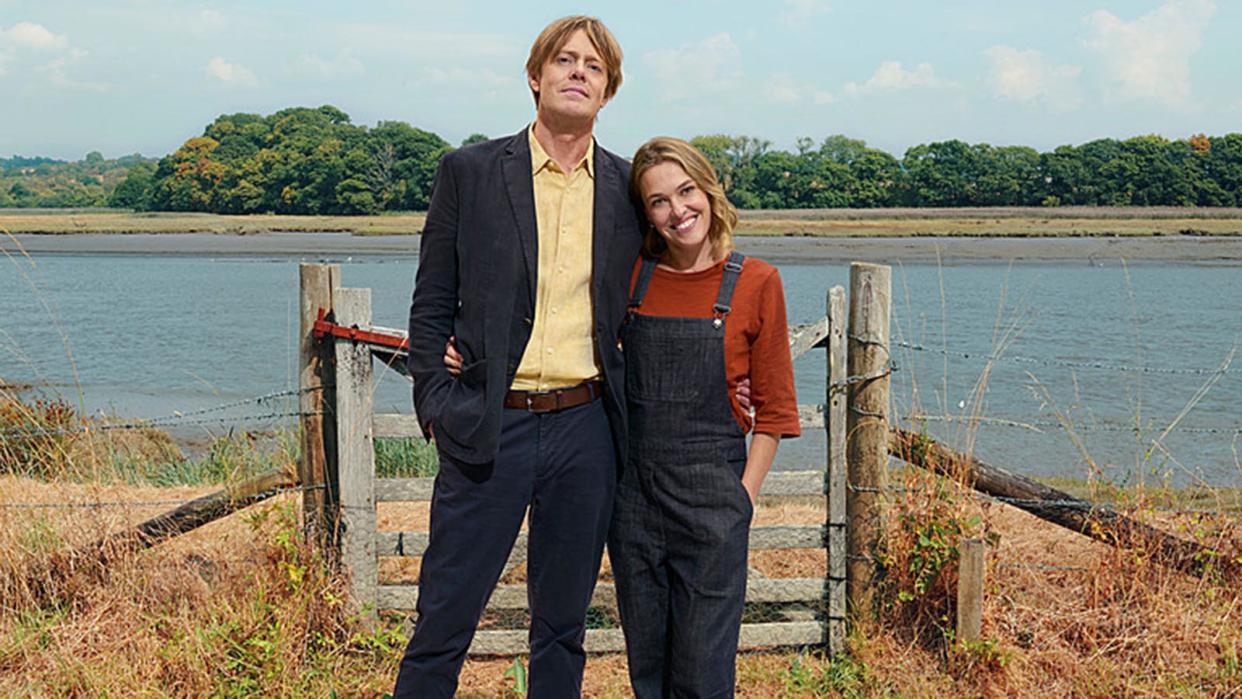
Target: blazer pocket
x=465, y=404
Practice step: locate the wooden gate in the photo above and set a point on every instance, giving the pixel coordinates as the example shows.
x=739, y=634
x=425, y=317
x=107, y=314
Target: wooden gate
x=796, y=611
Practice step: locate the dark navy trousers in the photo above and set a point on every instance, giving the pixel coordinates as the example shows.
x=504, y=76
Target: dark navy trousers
x=562, y=465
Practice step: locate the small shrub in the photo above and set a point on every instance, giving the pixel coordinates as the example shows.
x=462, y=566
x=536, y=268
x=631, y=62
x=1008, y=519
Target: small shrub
x=517, y=671
x=839, y=676
x=919, y=554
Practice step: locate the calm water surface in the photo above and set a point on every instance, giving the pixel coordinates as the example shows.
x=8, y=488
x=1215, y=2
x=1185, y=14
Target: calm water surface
x=146, y=336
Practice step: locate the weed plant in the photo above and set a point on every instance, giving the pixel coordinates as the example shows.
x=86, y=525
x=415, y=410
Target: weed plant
x=405, y=458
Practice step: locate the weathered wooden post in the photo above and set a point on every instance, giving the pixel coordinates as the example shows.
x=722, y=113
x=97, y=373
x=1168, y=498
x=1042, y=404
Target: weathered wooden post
x=356, y=451
x=867, y=438
x=970, y=590
x=317, y=283
x=835, y=420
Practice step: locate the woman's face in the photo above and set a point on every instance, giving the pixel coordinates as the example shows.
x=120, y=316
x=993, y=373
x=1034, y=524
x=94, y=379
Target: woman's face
x=679, y=210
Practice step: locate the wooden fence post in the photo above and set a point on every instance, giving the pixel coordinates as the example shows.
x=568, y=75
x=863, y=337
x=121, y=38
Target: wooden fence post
x=356, y=451
x=970, y=590
x=835, y=422
x=317, y=283
x=867, y=442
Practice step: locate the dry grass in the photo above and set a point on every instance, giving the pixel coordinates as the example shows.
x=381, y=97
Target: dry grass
x=1012, y=222
x=239, y=607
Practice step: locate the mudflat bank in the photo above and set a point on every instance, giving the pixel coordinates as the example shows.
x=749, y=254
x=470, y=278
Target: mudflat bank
x=781, y=249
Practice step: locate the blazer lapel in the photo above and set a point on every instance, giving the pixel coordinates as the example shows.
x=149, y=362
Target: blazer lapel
x=607, y=183
x=520, y=186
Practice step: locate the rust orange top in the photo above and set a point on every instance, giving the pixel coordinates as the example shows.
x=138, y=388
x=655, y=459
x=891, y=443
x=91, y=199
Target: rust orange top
x=756, y=335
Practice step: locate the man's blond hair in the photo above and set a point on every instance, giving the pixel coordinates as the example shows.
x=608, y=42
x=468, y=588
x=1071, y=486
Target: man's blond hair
x=554, y=37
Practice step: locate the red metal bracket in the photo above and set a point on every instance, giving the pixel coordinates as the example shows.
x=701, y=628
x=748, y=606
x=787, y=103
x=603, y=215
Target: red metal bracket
x=325, y=328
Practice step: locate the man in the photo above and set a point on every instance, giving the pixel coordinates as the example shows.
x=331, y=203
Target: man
x=525, y=261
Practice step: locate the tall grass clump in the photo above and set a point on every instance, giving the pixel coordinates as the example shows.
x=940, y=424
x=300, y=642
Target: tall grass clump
x=34, y=435
x=245, y=609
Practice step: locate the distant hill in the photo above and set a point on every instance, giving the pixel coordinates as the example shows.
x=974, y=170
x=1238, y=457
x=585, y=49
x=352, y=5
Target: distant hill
x=19, y=162
x=41, y=182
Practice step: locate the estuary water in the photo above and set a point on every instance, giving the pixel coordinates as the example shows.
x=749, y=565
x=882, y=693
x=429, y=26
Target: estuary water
x=1070, y=364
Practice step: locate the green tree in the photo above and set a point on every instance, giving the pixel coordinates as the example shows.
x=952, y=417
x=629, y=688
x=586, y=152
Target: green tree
x=941, y=174
x=734, y=158
x=404, y=162
x=135, y=191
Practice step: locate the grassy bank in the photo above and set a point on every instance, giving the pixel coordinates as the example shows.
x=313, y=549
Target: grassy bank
x=241, y=607
x=1011, y=222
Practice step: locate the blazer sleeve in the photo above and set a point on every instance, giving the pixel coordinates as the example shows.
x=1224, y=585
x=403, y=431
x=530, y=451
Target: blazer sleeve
x=433, y=306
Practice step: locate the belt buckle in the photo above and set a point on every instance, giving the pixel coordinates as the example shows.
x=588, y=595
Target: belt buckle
x=530, y=401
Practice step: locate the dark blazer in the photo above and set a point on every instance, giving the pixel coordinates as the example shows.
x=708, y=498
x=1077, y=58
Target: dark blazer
x=477, y=272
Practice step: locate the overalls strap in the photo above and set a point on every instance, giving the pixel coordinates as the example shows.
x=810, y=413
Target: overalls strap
x=640, y=286
x=728, y=282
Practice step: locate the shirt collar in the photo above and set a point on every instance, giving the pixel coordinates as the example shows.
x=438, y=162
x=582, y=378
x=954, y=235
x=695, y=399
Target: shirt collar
x=539, y=158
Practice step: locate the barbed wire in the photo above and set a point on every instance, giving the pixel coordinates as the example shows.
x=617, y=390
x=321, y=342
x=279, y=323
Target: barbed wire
x=144, y=424
x=144, y=503
x=1078, y=504
x=1034, y=425
x=1088, y=506
x=176, y=415
x=1045, y=567
x=848, y=381
x=1059, y=362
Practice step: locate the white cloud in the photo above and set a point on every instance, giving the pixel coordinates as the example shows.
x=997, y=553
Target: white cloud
x=1149, y=57
x=891, y=77
x=1027, y=76
x=231, y=73
x=57, y=71
x=344, y=64
x=29, y=40
x=27, y=35
x=781, y=88
x=797, y=12
x=210, y=20
x=469, y=77
x=712, y=65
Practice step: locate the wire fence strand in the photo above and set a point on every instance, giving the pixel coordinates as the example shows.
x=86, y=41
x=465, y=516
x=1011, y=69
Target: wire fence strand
x=1036, y=425
x=142, y=503
x=1093, y=364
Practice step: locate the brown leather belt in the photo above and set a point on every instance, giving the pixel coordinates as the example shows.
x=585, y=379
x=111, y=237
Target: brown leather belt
x=558, y=399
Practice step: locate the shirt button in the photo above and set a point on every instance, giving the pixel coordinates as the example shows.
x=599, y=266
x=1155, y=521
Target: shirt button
x=549, y=350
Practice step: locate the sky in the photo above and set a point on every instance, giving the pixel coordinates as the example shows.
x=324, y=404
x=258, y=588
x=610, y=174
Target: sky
x=126, y=76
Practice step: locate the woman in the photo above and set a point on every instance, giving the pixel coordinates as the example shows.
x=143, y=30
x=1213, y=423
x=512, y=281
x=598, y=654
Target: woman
x=702, y=320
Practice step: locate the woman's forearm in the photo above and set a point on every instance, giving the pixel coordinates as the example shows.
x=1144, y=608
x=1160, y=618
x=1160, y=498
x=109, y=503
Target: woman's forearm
x=759, y=461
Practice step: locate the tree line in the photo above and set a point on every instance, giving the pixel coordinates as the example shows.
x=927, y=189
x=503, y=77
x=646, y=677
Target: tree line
x=314, y=161
x=40, y=182
x=844, y=172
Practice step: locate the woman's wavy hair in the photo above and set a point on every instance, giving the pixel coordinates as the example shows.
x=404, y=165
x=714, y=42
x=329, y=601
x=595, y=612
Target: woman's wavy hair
x=665, y=149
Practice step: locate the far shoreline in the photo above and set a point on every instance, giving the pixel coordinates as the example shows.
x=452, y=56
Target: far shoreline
x=783, y=249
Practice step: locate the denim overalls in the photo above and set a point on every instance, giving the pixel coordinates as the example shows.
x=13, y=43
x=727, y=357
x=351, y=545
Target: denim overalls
x=681, y=521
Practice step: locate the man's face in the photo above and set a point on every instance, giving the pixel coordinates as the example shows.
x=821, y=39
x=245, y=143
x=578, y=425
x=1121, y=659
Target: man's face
x=572, y=82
